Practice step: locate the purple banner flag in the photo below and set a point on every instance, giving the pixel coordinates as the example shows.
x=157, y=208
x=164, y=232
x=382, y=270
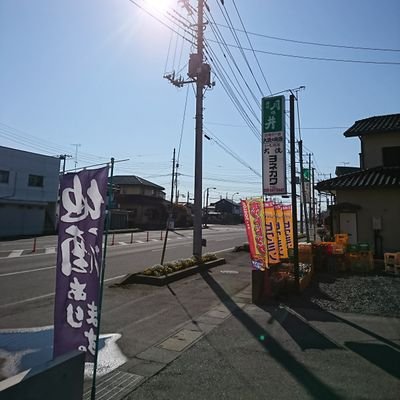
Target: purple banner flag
x=79, y=252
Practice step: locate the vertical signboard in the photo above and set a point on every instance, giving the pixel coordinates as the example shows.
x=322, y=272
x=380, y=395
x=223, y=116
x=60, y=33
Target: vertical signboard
x=288, y=221
x=280, y=227
x=271, y=232
x=254, y=219
x=81, y=222
x=273, y=145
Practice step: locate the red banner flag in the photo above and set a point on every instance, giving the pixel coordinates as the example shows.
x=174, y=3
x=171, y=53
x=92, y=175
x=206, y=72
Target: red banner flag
x=254, y=219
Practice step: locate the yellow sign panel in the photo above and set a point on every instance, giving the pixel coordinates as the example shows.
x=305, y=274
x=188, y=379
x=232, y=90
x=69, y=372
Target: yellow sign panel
x=271, y=233
x=288, y=221
x=280, y=227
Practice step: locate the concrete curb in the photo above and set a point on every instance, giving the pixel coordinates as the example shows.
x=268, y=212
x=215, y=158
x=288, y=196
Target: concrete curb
x=166, y=279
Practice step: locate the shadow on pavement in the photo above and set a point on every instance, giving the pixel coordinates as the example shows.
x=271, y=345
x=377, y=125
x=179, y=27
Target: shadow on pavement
x=312, y=312
x=302, y=333
x=380, y=355
x=316, y=388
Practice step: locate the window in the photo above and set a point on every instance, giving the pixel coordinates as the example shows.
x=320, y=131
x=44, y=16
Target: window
x=35, y=180
x=4, y=176
x=391, y=156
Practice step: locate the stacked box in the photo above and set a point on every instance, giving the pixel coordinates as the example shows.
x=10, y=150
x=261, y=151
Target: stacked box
x=352, y=248
x=389, y=259
x=392, y=263
x=361, y=262
x=342, y=238
x=363, y=247
x=305, y=253
x=338, y=249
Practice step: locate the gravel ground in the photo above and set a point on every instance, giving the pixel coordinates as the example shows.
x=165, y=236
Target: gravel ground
x=365, y=294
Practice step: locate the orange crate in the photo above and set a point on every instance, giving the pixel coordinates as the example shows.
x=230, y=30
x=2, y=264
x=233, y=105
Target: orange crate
x=342, y=238
x=392, y=259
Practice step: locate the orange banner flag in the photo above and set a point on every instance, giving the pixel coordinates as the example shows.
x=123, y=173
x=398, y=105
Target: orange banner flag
x=283, y=250
x=271, y=233
x=254, y=219
x=288, y=221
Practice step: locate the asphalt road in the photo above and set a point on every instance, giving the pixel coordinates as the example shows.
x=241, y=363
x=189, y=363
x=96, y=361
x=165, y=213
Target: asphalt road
x=140, y=315
x=26, y=277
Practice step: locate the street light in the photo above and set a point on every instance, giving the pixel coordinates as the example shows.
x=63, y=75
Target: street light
x=234, y=195
x=207, y=193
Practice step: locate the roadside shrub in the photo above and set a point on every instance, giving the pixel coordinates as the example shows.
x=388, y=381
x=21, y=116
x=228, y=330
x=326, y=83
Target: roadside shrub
x=174, y=266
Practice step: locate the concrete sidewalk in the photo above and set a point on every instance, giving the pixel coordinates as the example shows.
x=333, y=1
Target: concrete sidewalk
x=237, y=350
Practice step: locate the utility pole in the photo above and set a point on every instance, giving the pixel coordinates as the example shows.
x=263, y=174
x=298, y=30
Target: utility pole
x=310, y=218
x=303, y=188
x=205, y=225
x=313, y=204
x=64, y=158
x=198, y=169
x=170, y=211
x=176, y=183
x=200, y=73
x=301, y=210
x=76, y=153
x=294, y=196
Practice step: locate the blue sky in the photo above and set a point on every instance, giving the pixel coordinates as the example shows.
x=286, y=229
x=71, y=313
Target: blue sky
x=91, y=73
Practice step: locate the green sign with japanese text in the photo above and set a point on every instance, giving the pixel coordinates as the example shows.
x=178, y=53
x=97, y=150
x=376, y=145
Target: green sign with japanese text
x=273, y=114
x=306, y=174
x=273, y=145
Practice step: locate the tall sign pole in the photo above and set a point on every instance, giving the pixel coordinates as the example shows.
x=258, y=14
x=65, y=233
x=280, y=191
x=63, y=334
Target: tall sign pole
x=294, y=200
x=198, y=173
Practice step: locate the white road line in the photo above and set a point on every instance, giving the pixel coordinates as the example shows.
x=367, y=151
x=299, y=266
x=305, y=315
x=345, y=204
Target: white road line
x=49, y=250
x=115, y=277
x=15, y=253
x=123, y=243
x=221, y=251
x=154, y=240
x=27, y=300
x=138, y=241
x=26, y=271
x=43, y=296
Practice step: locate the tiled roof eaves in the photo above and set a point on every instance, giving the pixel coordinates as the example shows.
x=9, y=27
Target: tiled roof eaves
x=375, y=125
x=134, y=180
x=373, y=178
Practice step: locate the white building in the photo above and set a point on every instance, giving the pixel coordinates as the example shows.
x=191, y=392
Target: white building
x=28, y=192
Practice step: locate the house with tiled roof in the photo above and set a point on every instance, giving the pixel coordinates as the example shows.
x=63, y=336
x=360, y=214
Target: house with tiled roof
x=138, y=203
x=367, y=205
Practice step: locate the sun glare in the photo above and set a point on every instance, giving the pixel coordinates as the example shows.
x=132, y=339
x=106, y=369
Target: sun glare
x=160, y=5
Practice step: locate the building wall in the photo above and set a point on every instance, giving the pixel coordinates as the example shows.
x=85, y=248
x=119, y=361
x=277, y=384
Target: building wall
x=26, y=209
x=20, y=165
x=21, y=219
x=142, y=190
x=384, y=203
x=373, y=144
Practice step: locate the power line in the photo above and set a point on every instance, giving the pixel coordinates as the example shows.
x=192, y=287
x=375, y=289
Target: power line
x=239, y=45
x=163, y=23
x=340, y=46
x=344, y=60
x=232, y=96
x=183, y=124
x=224, y=147
x=218, y=35
x=255, y=56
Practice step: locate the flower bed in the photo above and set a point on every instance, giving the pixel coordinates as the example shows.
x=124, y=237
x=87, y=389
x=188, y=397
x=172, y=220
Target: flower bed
x=160, y=275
